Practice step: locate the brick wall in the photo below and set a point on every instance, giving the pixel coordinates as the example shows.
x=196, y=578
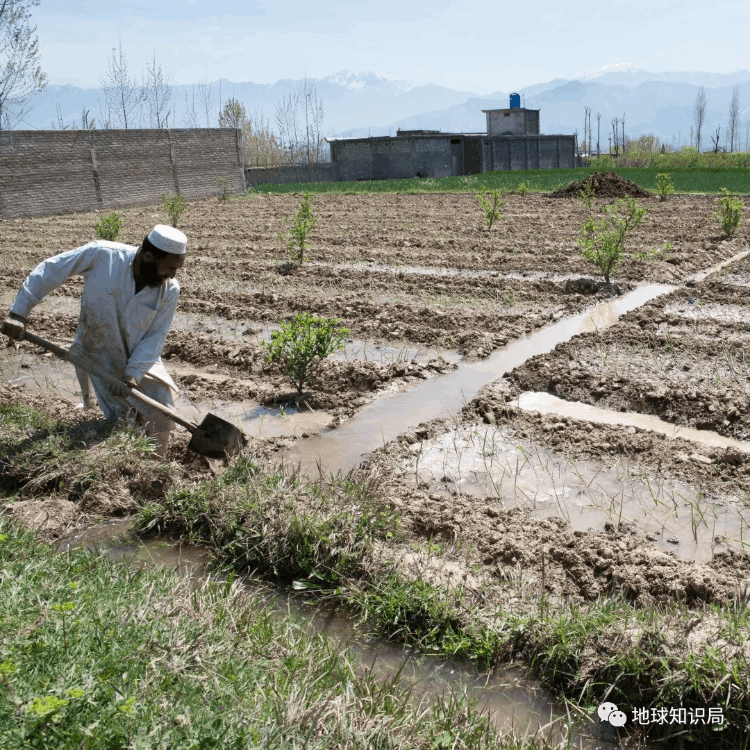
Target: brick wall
x=45, y=172
x=325, y=172
x=533, y=152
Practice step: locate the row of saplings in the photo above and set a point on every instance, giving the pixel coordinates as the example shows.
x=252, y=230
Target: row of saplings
x=603, y=242
x=303, y=343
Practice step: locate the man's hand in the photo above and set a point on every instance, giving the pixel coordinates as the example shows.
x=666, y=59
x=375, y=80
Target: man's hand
x=13, y=327
x=122, y=389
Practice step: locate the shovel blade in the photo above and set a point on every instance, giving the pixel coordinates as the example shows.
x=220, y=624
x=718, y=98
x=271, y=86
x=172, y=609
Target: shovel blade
x=216, y=438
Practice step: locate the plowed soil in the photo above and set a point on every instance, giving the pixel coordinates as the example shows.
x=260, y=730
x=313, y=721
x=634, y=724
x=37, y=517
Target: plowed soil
x=423, y=269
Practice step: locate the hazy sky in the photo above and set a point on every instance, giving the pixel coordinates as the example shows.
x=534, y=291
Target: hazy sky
x=478, y=46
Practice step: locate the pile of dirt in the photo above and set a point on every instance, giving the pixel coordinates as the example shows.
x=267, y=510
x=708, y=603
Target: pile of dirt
x=605, y=185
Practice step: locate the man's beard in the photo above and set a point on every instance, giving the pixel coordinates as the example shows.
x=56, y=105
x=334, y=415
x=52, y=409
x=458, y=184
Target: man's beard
x=149, y=274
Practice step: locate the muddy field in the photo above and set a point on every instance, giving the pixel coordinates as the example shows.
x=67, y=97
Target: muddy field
x=473, y=357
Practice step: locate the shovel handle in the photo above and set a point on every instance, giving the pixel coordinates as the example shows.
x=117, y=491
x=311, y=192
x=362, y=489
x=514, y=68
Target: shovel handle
x=107, y=378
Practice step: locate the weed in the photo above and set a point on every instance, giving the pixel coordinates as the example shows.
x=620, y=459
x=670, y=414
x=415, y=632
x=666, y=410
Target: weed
x=109, y=226
x=730, y=217
x=491, y=206
x=303, y=343
x=174, y=205
x=587, y=194
x=523, y=188
x=603, y=242
x=664, y=186
x=663, y=253
x=300, y=227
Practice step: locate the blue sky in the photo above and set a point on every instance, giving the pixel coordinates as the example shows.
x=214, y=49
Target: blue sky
x=480, y=46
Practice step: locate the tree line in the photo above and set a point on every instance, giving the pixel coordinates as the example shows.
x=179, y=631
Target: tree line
x=149, y=102
x=616, y=143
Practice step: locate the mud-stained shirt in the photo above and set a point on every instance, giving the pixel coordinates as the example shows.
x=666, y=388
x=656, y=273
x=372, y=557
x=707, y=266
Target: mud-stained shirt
x=118, y=330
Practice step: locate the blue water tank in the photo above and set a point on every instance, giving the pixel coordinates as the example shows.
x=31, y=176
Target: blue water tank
x=515, y=101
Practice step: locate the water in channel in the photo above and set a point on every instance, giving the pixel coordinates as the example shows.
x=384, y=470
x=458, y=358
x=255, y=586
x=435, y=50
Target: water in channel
x=512, y=701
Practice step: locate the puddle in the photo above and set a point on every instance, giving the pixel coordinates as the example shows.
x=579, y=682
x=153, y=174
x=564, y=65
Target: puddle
x=712, y=311
x=467, y=273
x=486, y=461
x=701, y=275
x=735, y=279
x=342, y=449
x=546, y=403
x=258, y=420
x=508, y=697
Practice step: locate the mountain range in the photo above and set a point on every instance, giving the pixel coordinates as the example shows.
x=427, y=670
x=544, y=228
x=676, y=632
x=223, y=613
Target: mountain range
x=361, y=104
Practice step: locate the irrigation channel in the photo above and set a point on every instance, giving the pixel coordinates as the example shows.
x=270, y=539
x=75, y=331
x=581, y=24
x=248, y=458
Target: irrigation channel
x=457, y=459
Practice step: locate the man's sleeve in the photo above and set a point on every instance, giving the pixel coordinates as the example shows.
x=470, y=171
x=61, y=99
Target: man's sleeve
x=50, y=274
x=148, y=349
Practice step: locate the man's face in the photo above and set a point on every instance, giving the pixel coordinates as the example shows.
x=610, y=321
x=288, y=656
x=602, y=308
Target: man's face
x=156, y=272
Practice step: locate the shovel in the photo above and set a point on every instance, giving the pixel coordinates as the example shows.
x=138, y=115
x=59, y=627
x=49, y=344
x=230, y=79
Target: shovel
x=213, y=437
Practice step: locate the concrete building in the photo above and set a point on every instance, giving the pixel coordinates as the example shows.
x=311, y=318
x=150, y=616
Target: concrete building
x=512, y=141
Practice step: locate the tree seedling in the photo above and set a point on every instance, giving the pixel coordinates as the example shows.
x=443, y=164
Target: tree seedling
x=603, y=243
x=587, y=193
x=174, y=205
x=109, y=227
x=300, y=227
x=224, y=183
x=730, y=216
x=664, y=186
x=302, y=344
x=491, y=206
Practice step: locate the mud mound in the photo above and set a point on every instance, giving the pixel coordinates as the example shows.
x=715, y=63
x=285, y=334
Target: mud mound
x=605, y=185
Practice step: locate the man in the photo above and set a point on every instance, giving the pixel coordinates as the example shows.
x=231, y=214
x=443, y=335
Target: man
x=128, y=302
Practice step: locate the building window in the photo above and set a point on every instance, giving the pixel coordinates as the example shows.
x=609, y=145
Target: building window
x=455, y=140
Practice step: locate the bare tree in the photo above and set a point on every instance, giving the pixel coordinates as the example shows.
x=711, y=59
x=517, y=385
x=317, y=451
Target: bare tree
x=121, y=92
x=699, y=115
x=623, y=132
x=587, y=128
x=157, y=92
x=747, y=135
x=262, y=148
x=616, y=135
x=87, y=124
x=598, y=131
x=299, y=118
x=21, y=74
x=286, y=122
x=734, y=119
x=715, y=139
x=206, y=101
x=233, y=114
x=191, y=118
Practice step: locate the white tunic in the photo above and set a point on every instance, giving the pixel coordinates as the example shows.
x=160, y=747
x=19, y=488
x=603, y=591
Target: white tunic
x=120, y=331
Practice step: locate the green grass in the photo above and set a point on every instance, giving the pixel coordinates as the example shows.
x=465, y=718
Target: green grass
x=685, y=179
x=339, y=537
x=39, y=454
x=96, y=654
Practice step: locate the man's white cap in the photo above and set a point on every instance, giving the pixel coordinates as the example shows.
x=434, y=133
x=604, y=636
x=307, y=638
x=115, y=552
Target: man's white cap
x=168, y=239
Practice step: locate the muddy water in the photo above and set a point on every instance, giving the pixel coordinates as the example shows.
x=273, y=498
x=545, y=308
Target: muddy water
x=512, y=701
x=376, y=424
x=546, y=403
x=485, y=461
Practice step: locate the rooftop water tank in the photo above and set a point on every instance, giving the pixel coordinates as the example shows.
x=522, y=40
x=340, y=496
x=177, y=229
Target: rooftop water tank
x=515, y=101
